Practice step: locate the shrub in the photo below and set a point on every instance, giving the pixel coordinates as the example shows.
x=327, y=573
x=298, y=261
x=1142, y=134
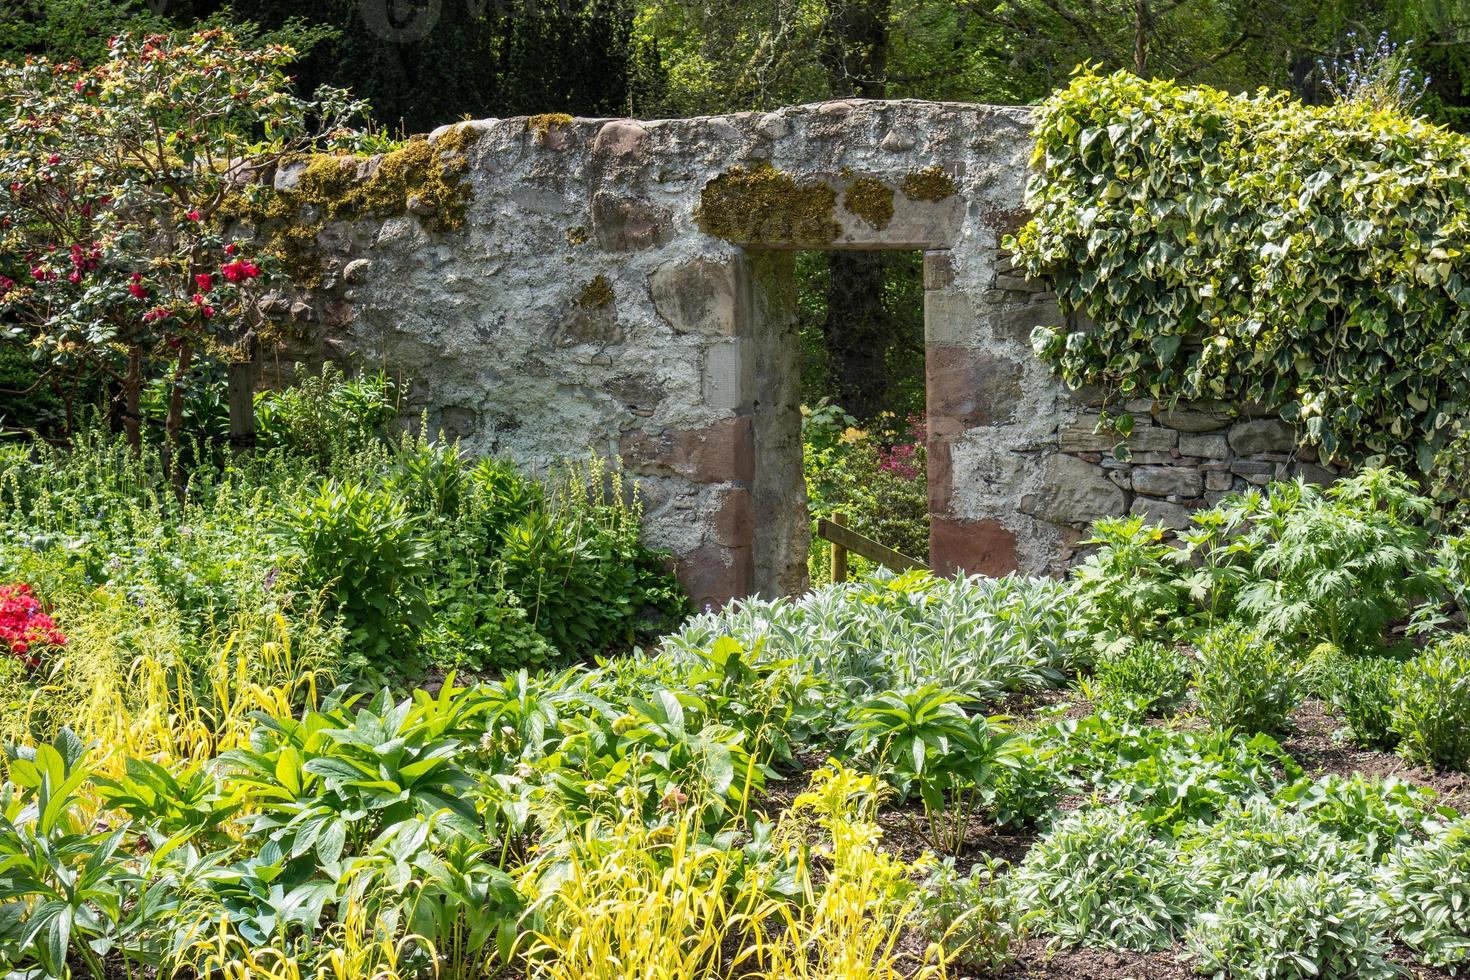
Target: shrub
x=1431, y=709
x=1101, y=877
x=1145, y=679
x=1379, y=814
x=1425, y=888
x=1289, y=927
x=1243, y=681
x=25, y=629
x=325, y=417
x=1130, y=589
x=363, y=546
x=971, y=917
x=1361, y=691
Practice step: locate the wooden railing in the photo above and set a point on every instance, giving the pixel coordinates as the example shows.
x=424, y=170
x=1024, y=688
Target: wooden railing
x=844, y=540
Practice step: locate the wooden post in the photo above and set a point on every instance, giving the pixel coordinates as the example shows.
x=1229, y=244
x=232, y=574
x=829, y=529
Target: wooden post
x=839, y=553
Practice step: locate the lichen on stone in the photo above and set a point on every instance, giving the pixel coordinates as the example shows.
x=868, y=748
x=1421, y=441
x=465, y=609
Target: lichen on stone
x=577, y=235
x=871, y=200
x=762, y=204
x=929, y=184
x=596, y=294
x=542, y=123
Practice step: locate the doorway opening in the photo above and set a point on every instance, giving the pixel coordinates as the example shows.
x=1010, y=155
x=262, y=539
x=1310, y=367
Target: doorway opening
x=860, y=334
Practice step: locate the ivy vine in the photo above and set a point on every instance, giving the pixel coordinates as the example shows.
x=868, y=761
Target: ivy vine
x=1309, y=258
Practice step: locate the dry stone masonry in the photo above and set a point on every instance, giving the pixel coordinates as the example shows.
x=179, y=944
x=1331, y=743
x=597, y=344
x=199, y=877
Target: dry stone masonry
x=627, y=288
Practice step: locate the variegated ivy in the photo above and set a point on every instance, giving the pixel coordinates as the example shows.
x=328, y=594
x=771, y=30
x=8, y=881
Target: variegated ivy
x=1311, y=258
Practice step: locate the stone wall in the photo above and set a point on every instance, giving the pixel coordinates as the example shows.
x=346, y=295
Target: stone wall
x=627, y=288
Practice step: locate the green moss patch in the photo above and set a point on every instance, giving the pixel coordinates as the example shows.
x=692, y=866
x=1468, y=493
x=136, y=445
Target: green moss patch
x=871, y=200
x=929, y=184
x=596, y=294
x=763, y=204
x=544, y=122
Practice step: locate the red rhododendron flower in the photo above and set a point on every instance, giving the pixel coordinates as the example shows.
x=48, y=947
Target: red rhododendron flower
x=204, y=281
x=54, y=158
x=24, y=625
x=230, y=249
x=239, y=269
x=194, y=215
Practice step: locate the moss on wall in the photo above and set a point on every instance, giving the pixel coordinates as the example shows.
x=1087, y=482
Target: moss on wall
x=929, y=184
x=427, y=178
x=596, y=294
x=542, y=123
x=762, y=204
x=871, y=200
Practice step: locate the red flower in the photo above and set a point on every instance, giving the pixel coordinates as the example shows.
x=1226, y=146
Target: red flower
x=24, y=625
x=157, y=313
x=205, y=282
x=137, y=288
x=239, y=269
x=230, y=249
x=194, y=215
x=54, y=158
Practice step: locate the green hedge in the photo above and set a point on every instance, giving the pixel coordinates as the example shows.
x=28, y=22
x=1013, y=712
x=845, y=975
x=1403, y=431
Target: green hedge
x=1229, y=246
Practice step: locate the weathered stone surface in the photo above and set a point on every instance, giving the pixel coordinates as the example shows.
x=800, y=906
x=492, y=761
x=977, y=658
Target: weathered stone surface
x=1080, y=437
x=1156, y=511
x=1262, y=436
x=1196, y=416
x=1076, y=492
x=720, y=453
x=629, y=224
x=696, y=296
x=1206, y=445
x=621, y=138
x=971, y=547
x=970, y=387
x=1217, y=480
x=1165, y=481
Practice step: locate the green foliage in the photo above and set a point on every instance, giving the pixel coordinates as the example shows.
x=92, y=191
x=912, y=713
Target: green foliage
x=1129, y=589
x=1142, y=680
x=365, y=548
x=1302, y=256
x=1378, y=814
x=1361, y=692
x=1101, y=877
x=1277, y=927
x=1425, y=889
x=325, y=418
x=971, y=917
x=1244, y=681
x=1255, y=835
x=1431, y=709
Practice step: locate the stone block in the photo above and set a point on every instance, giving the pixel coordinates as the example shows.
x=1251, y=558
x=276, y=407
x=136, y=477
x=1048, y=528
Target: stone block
x=724, y=381
x=1262, y=436
x=629, y=224
x=1196, y=416
x=696, y=296
x=971, y=385
x=720, y=453
x=1073, y=492
x=1080, y=437
x=713, y=574
x=982, y=547
x=1173, y=516
x=621, y=138
x=1205, y=445
x=1218, y=480
x=1312, y=473
x=1165, y=481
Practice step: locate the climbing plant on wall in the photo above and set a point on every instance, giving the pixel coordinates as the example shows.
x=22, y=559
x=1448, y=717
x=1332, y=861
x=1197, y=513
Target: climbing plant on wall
x=1312, y=258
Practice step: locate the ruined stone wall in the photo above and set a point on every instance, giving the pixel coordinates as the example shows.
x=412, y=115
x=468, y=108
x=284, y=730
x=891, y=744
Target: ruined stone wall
x=627, y=288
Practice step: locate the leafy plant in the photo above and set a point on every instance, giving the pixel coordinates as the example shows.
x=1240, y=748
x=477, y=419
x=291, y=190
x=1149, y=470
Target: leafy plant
x=1361, y=691
x=1243, y=681
x=1277, y=927
x=971, y=917
x=1379, y=814
x=1130, y=589
x=1425, y=888
x=1101, y=877
x=1144, y=679
x=1431, y=710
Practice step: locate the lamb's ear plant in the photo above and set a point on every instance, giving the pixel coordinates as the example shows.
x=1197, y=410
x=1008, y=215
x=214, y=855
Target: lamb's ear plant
x=1425, y=889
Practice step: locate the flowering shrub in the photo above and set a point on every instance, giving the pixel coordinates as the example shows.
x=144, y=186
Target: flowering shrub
x=24, y=626
x=113, y=262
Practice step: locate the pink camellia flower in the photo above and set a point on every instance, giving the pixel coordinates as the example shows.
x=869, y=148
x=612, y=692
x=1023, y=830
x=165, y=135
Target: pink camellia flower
x=205, y=282
x=81, y=84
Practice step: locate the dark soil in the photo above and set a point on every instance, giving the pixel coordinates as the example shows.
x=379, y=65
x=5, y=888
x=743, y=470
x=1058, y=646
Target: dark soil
x=1034, y=959
x=1320, y=752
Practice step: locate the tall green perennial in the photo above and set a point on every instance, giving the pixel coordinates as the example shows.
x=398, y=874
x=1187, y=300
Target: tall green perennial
x=1312, y=258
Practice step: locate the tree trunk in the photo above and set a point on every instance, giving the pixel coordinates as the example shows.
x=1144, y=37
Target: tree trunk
x=173, y=425
x=857, y=332
x=242, y=404
x=132, y=394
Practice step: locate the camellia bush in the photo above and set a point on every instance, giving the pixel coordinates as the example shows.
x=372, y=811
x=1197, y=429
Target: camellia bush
x=1219, y=246
x=114, y=267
